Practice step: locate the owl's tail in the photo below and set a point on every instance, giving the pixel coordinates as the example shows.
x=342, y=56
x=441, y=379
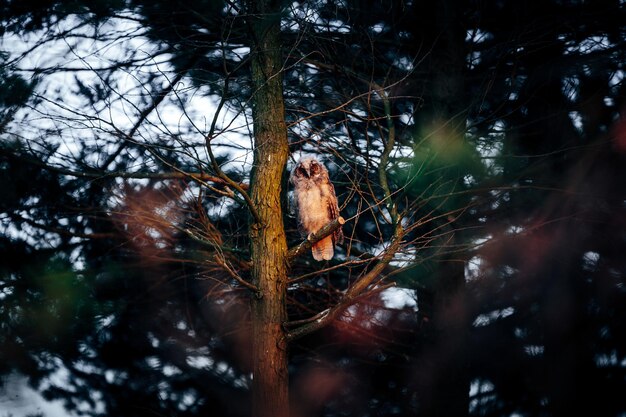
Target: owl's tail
x=323, y=250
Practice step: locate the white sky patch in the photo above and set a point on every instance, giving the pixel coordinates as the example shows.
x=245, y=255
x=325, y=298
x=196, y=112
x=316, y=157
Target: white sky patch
x=304, y=13
x=477, y=36
x=153, y=362
x=609, y=359
x=200, y=362
x=481, y=392
x=220, y=207
x=570, y=87
x=358, y=112
x=490, y=148
x=86, y=367
x=473, y=268
x=406, y=118
x=485, y=319
x=171, y=370
x=180, y=121
x=404, y=63
x=338, y=26
x=481, y=241
x=17, y=398
x=577, y=120
x=591, y=256
x=399, y=298
x=534, y=350
x=377, y=28
x=473, y=59
x=469, y=180
x=106, y=321
x=37, y=240
x=514, y=230
x=5, y=291
x=109, y=376
x=589, y=45
x=590, y=260
x=478, y=386
x=617, y=78
x=238, y=54
x=189, y=399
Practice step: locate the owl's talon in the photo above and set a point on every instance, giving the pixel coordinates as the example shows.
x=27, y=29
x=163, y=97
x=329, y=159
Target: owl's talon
x=309, y=237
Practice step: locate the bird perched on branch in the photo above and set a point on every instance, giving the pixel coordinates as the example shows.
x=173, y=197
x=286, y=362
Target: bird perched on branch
x=316, y=204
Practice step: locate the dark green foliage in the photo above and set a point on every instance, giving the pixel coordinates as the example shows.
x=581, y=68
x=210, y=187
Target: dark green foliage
x=509, y=159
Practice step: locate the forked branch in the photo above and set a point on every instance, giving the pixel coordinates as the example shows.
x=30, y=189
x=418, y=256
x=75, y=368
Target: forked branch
x=313, y=238
x=352, y=295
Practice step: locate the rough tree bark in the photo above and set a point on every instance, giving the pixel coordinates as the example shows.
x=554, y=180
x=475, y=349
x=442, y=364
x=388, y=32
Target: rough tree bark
x=269, y=245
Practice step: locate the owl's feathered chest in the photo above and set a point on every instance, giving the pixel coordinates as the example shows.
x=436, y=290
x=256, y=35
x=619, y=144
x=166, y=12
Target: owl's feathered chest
x=312, y=203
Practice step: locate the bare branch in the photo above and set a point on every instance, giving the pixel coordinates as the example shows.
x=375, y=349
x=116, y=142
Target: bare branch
x=313, y=238
x=384, y=159
x=221, y=261
x=353, y=294
x=178, y=174
x=155, y=103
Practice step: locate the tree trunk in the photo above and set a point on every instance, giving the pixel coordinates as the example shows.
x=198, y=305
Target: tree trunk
x=269, y=245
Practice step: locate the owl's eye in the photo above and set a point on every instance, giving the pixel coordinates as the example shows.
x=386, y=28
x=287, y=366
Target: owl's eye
x=315, y=168
x=302, y=171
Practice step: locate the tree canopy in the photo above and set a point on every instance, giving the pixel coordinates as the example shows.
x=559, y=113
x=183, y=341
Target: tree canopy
x=150, y=249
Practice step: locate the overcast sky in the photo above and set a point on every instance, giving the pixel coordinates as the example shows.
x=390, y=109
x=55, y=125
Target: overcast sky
x=17, y=399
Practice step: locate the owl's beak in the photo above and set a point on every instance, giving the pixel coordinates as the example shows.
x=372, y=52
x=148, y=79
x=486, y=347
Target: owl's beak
x=306, y=171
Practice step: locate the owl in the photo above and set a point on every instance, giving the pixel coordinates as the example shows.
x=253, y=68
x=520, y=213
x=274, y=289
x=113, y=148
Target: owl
x=316, y=204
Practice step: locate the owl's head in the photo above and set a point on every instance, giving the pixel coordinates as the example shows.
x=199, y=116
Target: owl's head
x=308, y=168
